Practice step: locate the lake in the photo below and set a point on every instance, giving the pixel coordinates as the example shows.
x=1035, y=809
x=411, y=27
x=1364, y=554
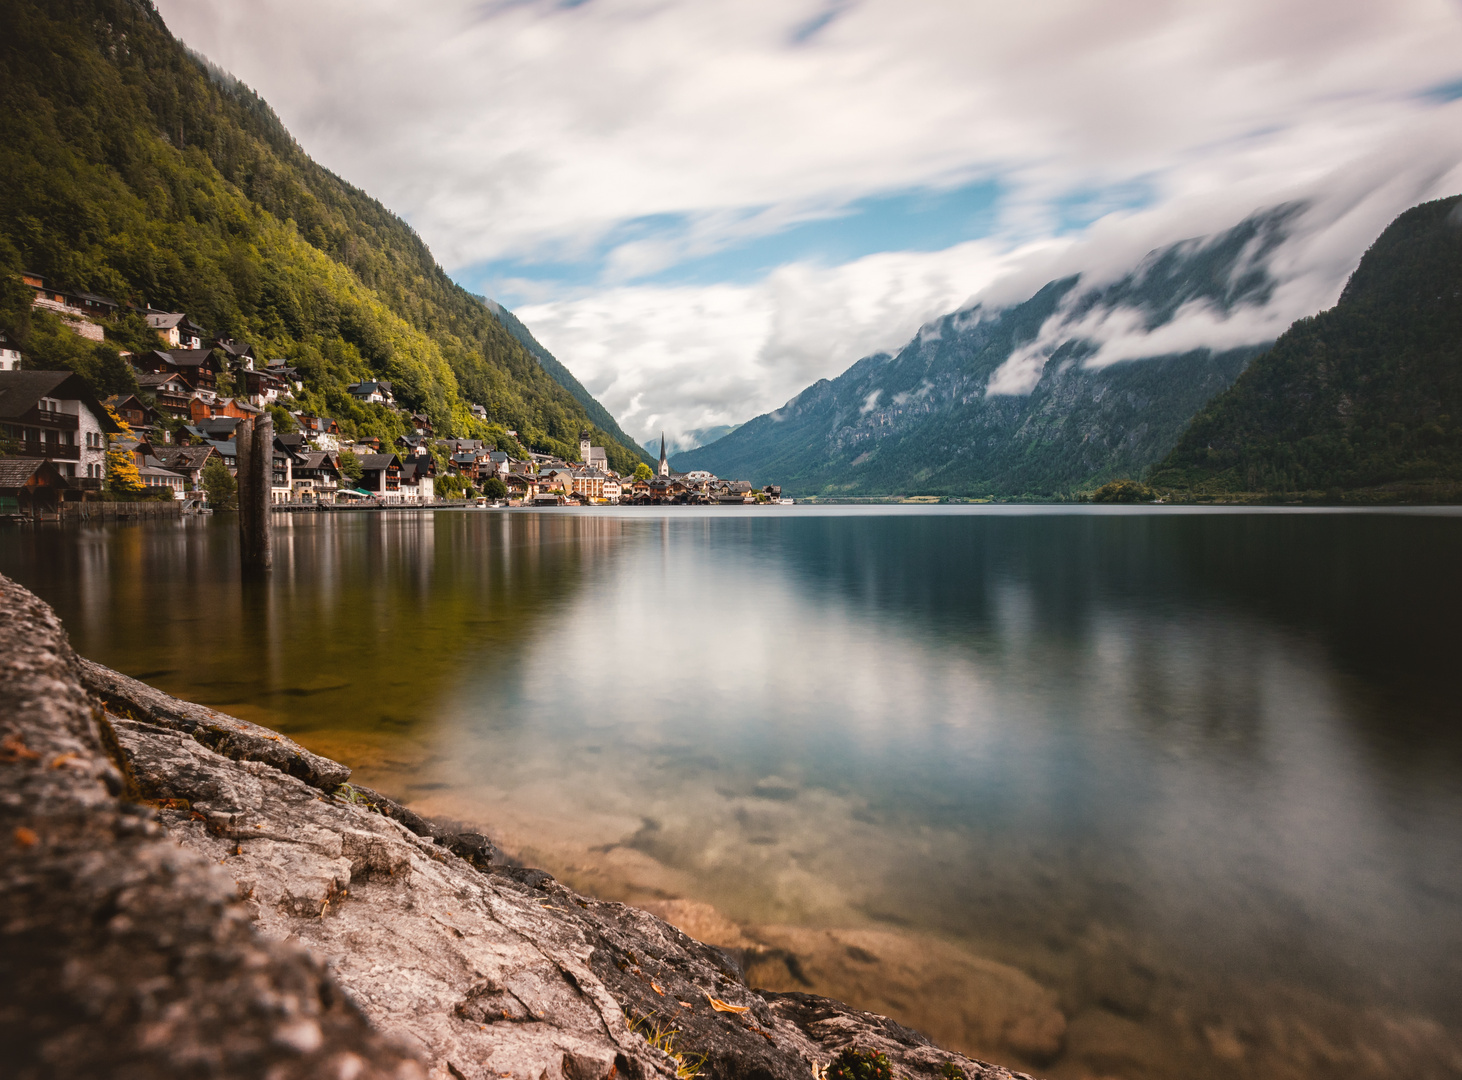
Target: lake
x=1125, y=792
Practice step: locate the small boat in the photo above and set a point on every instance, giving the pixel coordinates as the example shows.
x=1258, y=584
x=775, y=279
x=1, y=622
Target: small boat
x=786, y=502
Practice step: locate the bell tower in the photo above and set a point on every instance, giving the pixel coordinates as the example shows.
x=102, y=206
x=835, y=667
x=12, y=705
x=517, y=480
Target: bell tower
x=664, y=469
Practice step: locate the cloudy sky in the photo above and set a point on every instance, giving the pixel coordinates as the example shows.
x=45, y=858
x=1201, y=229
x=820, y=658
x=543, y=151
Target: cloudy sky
x=701, y=206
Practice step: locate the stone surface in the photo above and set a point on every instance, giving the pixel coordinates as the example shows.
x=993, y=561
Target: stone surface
x=123, y=954
x=244, y=867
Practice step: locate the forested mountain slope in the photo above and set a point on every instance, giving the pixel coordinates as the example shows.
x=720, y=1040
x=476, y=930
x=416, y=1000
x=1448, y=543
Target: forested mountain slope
x=1018, y=400
x=1366, y=394
x=565, y=378
x=132, y=168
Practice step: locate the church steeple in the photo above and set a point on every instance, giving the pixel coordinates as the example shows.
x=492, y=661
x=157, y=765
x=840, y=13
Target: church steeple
x=664, y=465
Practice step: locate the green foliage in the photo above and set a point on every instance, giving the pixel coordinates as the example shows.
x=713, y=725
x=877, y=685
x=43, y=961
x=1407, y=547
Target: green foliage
x=494, y=488
x=644, y=472
x=1366, y=394
x=950, y=1071
x=220, y=485
x=135, y=170
x=449, y=486
x=350, y=466
x=855, y=1064
x=52, y=346
x=283, y=422
x=1124, y=491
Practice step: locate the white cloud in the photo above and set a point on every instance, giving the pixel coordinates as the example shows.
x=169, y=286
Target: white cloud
x=535, y=130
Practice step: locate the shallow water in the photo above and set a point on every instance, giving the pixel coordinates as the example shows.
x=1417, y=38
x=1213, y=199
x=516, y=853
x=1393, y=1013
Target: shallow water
x=1095, y=792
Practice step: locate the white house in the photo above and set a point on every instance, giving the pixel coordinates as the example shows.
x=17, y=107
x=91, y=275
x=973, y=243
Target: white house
x=9, y=354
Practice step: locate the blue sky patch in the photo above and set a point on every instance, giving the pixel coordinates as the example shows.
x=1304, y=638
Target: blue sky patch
x=918, y=219
x=1449, y=91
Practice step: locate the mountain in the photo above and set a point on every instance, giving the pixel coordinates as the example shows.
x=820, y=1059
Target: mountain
x=1032, y=399
x=692, y=440
x=1364, y=395
x=565, y=378
x=133, y=168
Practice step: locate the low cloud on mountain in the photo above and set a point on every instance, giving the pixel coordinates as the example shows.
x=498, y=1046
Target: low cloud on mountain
x=702, y=206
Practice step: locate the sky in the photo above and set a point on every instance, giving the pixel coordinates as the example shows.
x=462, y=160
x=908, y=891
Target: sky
x=701, y=206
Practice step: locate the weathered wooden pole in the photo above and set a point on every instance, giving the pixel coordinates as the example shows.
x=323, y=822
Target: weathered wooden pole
x=254, y=453
x=243, y=455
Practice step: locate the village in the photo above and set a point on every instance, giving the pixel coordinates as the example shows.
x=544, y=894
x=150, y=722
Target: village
x=174, y=436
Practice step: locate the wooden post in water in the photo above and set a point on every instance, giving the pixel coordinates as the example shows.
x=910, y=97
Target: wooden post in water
x=254, y=453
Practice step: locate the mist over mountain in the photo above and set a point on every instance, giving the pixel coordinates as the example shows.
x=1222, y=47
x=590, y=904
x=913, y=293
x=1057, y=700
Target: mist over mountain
x=1365, y=395
x=1082, y=382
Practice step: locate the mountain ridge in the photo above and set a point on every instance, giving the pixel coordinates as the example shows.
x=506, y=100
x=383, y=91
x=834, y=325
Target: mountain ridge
x=1363, y=395
x=136, y=169
x=1017, y=400
x=565, y=378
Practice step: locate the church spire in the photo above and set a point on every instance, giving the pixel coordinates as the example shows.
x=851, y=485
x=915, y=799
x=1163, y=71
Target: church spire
x=664, y=465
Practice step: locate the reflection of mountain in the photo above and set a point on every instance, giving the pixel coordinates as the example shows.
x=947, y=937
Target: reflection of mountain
x=1379, y=593
x=367, y=622
x=1079, y=383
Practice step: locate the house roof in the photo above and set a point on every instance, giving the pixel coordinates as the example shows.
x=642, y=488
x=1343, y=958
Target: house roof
x=184, y=357
x=156, y=471
x=378, y=461
x=318, y=459
x=233, y=348
x=15, y=471
x=95, y=298
x=183, y=457
x=117, y=400
x=293, y=439
x=166, y=320
x=21, y=390
x=157, y=379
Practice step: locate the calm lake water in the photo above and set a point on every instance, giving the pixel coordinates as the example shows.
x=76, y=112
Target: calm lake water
x=1138, y=793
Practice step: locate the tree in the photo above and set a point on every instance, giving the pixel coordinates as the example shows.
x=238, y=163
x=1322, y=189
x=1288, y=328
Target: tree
x=494, y=488
x=284, y=421
x=643, y=472
x=122, y=475
x=1124, y=491
x=350, y=466
x=219, y=483
x=451, y=486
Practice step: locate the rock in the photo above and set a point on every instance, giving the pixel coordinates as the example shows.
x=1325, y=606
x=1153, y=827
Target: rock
x=248, y=871
x=229, y=736
x=123, y=954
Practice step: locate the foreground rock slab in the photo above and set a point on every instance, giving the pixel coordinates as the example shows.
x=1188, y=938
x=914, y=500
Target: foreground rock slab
x=188, y=895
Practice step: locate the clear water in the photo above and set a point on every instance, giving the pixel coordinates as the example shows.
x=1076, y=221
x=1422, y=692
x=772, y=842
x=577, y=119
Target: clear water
x=1095, y=793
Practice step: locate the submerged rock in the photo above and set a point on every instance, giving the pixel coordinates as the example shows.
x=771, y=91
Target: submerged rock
x=186, y=894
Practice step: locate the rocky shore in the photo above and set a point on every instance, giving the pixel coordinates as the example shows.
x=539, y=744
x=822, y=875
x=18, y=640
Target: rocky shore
x=189, y=895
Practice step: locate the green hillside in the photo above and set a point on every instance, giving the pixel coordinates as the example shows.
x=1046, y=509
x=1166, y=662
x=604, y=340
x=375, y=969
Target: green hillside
x=1367, y=395
x=132, y=168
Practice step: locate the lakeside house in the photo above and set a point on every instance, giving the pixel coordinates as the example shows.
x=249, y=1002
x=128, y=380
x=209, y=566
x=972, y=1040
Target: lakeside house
x=52, y=416
x=180, y=421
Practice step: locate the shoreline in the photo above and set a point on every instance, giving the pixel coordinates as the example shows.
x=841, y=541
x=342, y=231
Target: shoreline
x=340, y=934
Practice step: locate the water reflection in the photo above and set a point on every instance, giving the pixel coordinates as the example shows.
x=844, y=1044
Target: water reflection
x=1102, y=794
